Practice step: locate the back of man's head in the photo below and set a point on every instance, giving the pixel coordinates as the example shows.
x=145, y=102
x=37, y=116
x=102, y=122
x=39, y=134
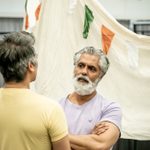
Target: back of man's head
x=16, y=51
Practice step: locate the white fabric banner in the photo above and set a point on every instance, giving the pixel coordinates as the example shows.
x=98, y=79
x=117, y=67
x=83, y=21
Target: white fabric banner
x=59, y=35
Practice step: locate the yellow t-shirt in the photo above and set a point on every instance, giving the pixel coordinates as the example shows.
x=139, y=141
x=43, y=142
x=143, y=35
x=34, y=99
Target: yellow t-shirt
x=29, y=121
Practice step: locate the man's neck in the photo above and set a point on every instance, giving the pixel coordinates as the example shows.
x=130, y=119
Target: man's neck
x=80, y=99
x=16, y=85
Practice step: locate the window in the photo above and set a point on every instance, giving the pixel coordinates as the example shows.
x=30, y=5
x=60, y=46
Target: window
x=142, y=27
x=138, y=26
x=125, y=23
x=10, y=24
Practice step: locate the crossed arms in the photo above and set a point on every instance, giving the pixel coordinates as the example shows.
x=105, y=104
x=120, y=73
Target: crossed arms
x=103, y=137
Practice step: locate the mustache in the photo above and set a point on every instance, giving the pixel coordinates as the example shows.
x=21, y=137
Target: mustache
x=83, y=78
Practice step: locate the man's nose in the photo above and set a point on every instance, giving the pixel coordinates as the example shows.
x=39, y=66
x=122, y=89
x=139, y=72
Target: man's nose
x=84, y=71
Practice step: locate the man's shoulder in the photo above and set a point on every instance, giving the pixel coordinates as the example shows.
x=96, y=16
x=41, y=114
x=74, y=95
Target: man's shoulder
x=106, y=102
x=111, y=111
x=45, y=100
x=105, y=99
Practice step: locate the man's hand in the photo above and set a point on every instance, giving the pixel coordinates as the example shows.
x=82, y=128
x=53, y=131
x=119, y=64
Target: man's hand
x=106, y=137
x=100, y=128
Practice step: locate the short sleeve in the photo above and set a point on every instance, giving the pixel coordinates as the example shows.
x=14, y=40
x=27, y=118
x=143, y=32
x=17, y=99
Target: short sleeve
x=112, y=113
x=58, y=124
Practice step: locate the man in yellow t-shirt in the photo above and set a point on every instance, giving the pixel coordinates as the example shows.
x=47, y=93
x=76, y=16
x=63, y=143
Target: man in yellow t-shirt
x=28, y=121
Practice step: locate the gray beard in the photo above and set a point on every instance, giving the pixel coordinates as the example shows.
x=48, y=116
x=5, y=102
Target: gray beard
x=85, y=88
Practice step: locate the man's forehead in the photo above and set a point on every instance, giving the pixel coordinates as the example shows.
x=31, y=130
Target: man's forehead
x=89, y=58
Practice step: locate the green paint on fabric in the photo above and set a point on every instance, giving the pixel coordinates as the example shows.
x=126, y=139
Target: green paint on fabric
x=87, y=21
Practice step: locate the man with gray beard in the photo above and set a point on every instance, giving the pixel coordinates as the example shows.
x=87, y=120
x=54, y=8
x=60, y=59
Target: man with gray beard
x=94, y=122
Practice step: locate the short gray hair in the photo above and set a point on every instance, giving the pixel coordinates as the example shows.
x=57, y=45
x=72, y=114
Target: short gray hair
x=103, y=60
x=16, y=51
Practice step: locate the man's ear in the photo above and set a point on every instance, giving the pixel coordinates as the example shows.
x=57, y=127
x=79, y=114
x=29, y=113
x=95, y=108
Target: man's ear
x=31, y=67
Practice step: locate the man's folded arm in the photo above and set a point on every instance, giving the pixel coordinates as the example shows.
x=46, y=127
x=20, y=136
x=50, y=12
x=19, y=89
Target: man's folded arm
x=103, y=141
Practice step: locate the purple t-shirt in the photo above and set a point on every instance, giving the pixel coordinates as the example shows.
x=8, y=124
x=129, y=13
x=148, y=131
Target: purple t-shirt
x=82, y=118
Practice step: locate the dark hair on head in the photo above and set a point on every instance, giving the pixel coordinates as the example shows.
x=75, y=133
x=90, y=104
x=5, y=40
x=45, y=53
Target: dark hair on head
x=16, y=51
x=30, y=39
x=103, y=60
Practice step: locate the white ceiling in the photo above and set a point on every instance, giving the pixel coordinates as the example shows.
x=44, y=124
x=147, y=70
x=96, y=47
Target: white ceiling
x=120, y=9
x=12, y=8
x=128, y=9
